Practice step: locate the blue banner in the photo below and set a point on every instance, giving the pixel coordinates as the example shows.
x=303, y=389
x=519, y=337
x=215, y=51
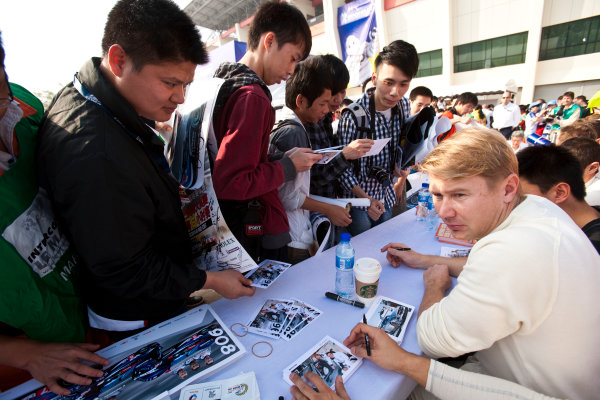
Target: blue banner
x=358, y=37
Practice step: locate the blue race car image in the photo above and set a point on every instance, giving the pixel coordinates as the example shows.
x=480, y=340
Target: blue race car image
x=152, y=368
x=115, y=374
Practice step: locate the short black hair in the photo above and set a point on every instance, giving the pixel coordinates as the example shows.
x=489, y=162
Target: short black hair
x=152, y=32
x=401, y=55
x=310, y=79
x=420, y=91
x=467, y=98
x=586, y=150
x=545, y=166
x=338, y=73
x=582, y=98
x=569, y=94
x=285, y=21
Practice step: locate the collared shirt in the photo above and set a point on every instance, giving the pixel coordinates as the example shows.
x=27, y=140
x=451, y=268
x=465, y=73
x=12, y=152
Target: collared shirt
x=383, y=129
x=506, y=116
x=324, y=177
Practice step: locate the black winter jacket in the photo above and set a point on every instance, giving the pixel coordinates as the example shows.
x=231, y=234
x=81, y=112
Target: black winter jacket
x=120, y=209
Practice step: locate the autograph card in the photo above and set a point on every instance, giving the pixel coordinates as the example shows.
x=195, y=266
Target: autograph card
x=328, y=359
x=269, y=319
x=327, y=156
x=266, y=273
x=453, y=252
x=390, y=315
x=304, y=316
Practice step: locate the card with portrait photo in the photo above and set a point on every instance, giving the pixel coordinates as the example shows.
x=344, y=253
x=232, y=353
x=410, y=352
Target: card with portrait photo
x=269, y=319
x=266, y=273
x=328, y=359
x=390, y=315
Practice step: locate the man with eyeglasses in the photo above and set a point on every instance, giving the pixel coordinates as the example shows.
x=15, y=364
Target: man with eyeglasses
x=507, y=115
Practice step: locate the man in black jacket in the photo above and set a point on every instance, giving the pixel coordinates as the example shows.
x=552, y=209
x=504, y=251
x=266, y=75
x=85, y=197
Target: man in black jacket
x=103, y=166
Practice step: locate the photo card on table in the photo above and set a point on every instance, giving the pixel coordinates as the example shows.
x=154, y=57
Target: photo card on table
x=266, y=273
x=270, y=317
x=328, y=359
x=390, y=315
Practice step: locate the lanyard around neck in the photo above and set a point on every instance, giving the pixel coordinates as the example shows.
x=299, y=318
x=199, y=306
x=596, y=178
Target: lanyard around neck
x=158, y=158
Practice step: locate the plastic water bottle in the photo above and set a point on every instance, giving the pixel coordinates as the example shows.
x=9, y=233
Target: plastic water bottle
x=422, y=205
x=344, y=267
x=432, y=216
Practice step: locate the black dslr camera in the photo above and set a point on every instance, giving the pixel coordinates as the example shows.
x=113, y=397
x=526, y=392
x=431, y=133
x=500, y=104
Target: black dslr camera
x=381, y=174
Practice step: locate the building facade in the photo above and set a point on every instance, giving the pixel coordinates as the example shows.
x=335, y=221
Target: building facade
x=536, y=48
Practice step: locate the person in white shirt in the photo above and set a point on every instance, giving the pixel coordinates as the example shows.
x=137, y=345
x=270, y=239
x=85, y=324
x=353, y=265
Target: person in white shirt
x=531, y=268
x=532, y=118
x=488, y=111
x=507, y=115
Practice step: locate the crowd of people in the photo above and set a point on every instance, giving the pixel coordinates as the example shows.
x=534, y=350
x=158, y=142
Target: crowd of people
x=95, y=246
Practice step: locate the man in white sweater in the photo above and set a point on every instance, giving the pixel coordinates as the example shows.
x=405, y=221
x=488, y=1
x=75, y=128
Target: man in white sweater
x=526, y=300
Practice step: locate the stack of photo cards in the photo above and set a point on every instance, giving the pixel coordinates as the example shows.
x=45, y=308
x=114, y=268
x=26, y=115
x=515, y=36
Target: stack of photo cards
x=266, y=273
x=390, y=315
x=282, y=318
x=328, y=359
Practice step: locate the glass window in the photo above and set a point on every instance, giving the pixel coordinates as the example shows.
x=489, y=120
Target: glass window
x=430, y=63
x=570, y=39
x=496, y=52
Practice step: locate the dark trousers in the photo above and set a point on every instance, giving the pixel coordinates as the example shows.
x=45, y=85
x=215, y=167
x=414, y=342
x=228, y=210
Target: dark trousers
x=506, y=132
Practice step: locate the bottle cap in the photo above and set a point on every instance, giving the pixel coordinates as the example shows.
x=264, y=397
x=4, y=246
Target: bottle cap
x=345, y=237
x=425, y=185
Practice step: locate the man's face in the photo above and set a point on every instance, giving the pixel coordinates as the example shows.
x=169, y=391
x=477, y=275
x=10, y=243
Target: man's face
x=279, y=63
x=567, y=101
x=317, y=109
x=506, y=98
x=535, y=109
x=157, y=89
x=419, y=103
x=336, y=100
x=390, y=85
x=469, y=207
x=516, y=142
x=464, y=109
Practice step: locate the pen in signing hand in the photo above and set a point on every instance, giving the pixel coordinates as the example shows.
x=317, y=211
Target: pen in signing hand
x=401, y=248
x=367, y=340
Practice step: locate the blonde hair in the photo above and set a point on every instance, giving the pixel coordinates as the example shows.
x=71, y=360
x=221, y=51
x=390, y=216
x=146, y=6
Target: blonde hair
x=472, y=152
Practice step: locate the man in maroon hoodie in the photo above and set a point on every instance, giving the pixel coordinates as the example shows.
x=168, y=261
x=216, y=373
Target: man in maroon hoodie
x=245, y=180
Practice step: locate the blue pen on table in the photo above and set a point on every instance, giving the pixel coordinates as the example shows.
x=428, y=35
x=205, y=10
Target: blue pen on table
x=367, y=340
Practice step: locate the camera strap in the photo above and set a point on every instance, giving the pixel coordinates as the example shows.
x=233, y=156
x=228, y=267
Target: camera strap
x=371, y=133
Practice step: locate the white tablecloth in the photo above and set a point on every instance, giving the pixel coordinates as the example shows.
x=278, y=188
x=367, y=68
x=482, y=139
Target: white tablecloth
x=308, y=281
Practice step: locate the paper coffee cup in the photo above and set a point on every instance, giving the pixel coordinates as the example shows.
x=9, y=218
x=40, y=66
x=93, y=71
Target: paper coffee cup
x=366, y=279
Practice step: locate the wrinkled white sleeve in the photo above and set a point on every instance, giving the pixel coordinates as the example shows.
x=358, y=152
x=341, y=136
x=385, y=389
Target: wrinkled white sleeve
x=448, y=383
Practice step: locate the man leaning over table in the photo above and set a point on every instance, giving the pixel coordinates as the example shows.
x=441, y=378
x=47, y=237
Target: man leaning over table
x=102, y=163
x=526, y=307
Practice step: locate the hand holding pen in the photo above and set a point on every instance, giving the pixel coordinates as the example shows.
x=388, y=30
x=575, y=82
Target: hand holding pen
x=385, y=352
